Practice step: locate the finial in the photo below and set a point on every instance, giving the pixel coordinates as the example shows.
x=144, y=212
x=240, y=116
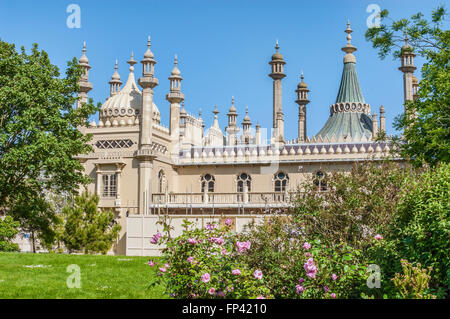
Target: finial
x=348, y=31
x=200, y=112
x=246, y=110
x=84, y=47
x=232, y=100
x=176, y=60
x=216, y=110
x=117, y=65
x=131, y=62
x=276, y=45
x=301, y=76
x=148, y=42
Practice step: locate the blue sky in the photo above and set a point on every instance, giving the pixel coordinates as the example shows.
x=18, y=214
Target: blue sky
x=224, y=48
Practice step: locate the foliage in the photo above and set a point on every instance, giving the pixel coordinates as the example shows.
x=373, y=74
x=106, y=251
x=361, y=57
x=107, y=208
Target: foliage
x=8, y=230
x=39, y=138
x=87, y=228
x=205, y=263
x=420, y=228
x=413, y=283
x=356, y=206
x=37, y=217
x=427, y=127
x=298, y=268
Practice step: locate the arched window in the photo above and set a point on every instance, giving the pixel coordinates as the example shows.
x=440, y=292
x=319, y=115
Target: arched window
x=242, y=180
x=161, y=181
x=208, y=180
x=281, y=181
x=320, y=181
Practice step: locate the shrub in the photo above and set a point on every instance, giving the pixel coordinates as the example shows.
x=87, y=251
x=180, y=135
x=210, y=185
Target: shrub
x=298, y=267
x=413, y=283
x=8, y=230
x=87, y=228
x=206, y=263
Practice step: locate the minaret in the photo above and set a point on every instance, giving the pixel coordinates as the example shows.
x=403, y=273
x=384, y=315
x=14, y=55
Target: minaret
x=302, y=101
x=382, y=120
x=374, y=126
x=115, y=82
x=175, y=97
x=415, y=87
x=216, y=118
x=145, y=154
x=84, y=85
x=246, y=123
x=258, y=134
x=408, y=68
x=277, y=75
x=232, y=129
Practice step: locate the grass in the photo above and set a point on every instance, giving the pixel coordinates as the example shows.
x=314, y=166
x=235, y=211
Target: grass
x=102, y=277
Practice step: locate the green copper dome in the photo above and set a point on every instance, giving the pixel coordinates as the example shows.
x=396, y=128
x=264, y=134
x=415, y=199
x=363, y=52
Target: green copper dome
x=349, y=91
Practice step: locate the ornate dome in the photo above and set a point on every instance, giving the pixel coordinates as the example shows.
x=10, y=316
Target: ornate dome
x=126, y=104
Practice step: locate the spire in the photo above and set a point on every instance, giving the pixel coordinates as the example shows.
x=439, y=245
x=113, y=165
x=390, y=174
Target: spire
x=349, y=90
x=216, y=117
x=148, y=54
x=115, y=81
x=84, y=85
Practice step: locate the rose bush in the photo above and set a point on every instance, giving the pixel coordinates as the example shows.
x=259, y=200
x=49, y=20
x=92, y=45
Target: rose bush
x=206, y=263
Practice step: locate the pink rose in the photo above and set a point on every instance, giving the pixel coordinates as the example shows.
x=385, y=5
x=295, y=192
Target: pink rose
x=258, y=274
x=301, y=280
x=334, y=277
x=299, y=289
x=154, y=240
x=224, y=251
x=326, y=288
x=260, y=297
x=306, y=245
x=206, y=277
x=236, y=272
x=333, y=295
x=192, y=241
x=212, y=291
x=190, y=259
x=310, y=268
x=210, y=226
x=378, y=237
x=162, y=269
x=228, y=221
x=243, y=246
x=151, y=263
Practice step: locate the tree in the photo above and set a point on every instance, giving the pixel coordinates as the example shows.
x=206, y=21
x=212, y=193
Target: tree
x=8, y=230
x=39, y=138
x=87, y=228
x=427, y=134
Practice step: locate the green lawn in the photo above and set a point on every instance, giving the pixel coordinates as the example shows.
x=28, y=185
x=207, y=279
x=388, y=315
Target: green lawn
x=26, y=275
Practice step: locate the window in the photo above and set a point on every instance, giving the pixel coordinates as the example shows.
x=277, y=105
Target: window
x=244, y=178
x=208, y=181
x=109, y=185
x=281, y=181
x=320, y=181
x=161, y=181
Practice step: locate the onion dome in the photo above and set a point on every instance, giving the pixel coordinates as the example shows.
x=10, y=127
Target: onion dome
x=148, y=54
x=232, y=107
x=175, y=71
x=277, y=56
x=350, y=115
x=302, y=84
x=127, y=103
x=115, y=75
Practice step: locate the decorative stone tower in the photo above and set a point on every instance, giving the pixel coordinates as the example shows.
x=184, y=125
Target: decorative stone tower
x=374, y=125
x=84, y=84
x=246, y=128
x=115, y=82
x=232, y=129
x=302, y=101
x=175, y=97
x=382, y=120
x=145, y=154
x=277, y=75
x=408, y=68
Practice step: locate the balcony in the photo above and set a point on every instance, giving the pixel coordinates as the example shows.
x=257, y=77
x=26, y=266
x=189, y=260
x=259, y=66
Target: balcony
x=240, y=201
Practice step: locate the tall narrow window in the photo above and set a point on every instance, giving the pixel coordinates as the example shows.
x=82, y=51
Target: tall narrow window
x=161, y=181
x=109, y=185
x=320, y=181
x=208, y=181
x=281, y=181
x=242, y=180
